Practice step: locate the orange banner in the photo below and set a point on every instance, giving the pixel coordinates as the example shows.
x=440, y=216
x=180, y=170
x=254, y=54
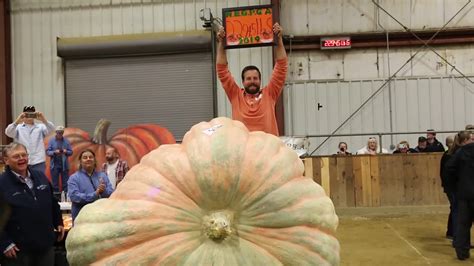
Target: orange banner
x=248, y=26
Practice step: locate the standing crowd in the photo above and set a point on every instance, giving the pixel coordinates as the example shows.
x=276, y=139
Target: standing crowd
x=35, y=223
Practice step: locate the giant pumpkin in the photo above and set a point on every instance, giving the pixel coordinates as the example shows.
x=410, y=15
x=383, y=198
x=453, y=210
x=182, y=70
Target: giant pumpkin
x=223, y=197
x=132, y=143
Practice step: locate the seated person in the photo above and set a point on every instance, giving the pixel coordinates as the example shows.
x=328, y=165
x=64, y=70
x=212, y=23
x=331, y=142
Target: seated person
x=342, y=149
x=372, y=148
x=422, y=143
x=433, y=144
x=404, y=147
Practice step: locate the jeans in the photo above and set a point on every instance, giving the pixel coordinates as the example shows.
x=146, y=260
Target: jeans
x=23, y=258
x=55, y=173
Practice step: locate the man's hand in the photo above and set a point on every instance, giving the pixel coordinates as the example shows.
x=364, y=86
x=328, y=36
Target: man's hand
x=58, y=151
x=220, y=34
x=11, y=253
x=277, y=30
x=61, y=232
x=40, y=116
x=20, y=118
x=280, y=51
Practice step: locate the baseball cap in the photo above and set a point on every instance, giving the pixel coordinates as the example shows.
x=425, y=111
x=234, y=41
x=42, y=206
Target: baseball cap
x=59, y=128
x=29, y=108
x=421, y=139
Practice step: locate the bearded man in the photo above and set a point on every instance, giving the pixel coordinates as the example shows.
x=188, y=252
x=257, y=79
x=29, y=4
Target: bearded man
x=252, y=105
x=115, y=168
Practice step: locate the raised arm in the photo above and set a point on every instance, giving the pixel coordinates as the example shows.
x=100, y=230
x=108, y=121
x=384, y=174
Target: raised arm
x=280, y=52
x=277, y=81
x=221, y=56
x=11, y=128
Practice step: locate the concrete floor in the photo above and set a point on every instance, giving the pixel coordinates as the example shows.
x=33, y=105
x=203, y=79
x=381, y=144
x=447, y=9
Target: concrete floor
x=396, y=236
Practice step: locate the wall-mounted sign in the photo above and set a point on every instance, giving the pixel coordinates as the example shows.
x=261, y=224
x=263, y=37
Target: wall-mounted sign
x=336, y=43
x=248, y=26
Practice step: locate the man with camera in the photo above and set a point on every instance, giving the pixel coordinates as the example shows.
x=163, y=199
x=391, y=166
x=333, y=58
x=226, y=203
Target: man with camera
x=59, y=149
x=25, y=131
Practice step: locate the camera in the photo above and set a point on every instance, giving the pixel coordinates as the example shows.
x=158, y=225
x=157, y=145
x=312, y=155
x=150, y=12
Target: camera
x=30, y=114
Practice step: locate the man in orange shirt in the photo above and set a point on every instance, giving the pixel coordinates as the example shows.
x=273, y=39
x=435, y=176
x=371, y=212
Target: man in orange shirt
x=252, y=105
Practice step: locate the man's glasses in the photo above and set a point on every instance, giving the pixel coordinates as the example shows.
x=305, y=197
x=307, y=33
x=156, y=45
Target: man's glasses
x=19, y=156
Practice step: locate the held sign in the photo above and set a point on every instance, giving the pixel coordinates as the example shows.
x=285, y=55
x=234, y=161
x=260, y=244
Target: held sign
x=248, y=26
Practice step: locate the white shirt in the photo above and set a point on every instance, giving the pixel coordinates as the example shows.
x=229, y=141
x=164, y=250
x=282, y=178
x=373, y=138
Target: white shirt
x=32, y=136
x=111, y=173
x=365, y=150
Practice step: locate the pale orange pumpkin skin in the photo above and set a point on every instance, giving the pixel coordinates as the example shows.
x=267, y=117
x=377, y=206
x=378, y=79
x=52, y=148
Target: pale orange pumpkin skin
x=132, y=143
x=225, y=196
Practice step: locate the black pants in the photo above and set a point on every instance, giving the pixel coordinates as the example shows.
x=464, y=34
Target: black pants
x=462, y=242
x=23, y=258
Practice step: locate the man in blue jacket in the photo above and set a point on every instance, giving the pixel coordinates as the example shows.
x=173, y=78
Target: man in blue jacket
x=59, y=149
x=29, y=234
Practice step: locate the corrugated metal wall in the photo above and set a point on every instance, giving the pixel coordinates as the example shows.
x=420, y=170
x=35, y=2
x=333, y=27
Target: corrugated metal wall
x=427, y=93
x=442, y=103
x=318, y=17
x=37, y=71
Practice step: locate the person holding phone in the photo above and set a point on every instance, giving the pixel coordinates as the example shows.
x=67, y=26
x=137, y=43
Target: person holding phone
x=31, y=134
x=342, y=149
x=87, y=184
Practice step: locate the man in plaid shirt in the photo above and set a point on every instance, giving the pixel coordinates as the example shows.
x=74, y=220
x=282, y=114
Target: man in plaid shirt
x=114, y=167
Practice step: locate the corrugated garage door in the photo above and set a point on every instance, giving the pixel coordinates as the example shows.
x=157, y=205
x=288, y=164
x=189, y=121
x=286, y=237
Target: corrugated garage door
x=173, y=90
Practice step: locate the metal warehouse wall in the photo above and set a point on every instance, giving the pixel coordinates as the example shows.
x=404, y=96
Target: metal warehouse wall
x=38, y=74
x=417, y=105
x=37, y=71
x=427, y=93
x=318, y=17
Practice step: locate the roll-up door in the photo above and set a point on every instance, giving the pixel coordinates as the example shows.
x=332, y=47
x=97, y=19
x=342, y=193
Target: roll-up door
x=173, y=89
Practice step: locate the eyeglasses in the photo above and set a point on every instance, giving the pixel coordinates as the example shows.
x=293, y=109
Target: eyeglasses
x=19, y=156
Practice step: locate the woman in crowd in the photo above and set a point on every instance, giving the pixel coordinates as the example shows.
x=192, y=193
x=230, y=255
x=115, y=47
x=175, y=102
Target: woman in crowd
x=342, y=149
x=372, y=148
x=459, y=186
x=87, y=184
x=404, y=147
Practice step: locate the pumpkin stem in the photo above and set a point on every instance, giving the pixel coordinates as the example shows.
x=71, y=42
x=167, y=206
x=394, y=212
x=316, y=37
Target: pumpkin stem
x=100, y=132
x=217, y=225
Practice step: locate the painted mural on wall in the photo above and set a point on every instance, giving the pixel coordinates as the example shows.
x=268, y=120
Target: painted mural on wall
x=132, y=143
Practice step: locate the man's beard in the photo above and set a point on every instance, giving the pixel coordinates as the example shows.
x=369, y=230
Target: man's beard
x=252, y=89
x=109, y=159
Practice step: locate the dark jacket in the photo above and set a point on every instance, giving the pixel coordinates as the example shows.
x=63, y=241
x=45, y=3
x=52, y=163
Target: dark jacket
x=460, y=171
x=34, y=213
x=436, y=146
x=445, y=182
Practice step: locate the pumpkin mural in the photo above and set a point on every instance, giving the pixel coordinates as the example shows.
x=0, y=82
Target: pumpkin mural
x=132, y=143
x=225, y=196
